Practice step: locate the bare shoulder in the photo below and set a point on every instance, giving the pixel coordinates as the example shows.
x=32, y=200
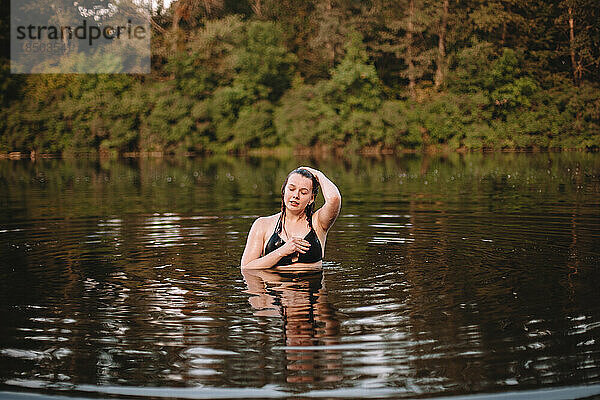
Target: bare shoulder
x=264, y=223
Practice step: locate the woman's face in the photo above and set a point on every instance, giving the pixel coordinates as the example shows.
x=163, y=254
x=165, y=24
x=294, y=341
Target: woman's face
x=297, y=193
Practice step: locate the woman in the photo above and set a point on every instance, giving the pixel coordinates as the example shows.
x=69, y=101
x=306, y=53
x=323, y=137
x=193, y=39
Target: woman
x=294, y=237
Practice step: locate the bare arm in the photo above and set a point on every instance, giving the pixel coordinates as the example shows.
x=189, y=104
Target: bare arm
x=327, y=214
x=251, y=258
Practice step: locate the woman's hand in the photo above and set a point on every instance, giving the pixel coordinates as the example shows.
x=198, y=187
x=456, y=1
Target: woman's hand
x=295, y=244
x=312, y=171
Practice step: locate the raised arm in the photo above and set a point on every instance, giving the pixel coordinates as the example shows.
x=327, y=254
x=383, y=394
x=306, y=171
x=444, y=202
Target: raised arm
x=327, y=214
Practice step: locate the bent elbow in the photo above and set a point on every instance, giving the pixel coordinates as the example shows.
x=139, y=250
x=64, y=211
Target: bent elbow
x=251, y=267
x=244, y=262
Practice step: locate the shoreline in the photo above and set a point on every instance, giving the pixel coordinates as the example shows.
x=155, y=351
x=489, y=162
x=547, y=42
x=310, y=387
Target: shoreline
x=320, y=151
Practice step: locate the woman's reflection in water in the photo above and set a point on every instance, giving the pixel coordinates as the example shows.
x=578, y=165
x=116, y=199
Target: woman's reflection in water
x=308, y=319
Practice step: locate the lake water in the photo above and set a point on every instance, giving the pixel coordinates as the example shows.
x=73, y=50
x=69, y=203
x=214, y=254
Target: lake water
x=443, y=276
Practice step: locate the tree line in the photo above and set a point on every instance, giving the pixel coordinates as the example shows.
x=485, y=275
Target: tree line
x=380, y=75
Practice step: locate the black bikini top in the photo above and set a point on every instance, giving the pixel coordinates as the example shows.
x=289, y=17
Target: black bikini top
x=312, y=255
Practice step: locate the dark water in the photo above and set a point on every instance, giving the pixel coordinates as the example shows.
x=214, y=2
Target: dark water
x=443, y=276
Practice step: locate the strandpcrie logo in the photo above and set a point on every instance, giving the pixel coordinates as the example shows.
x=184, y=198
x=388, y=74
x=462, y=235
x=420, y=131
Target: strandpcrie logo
x=97, y=36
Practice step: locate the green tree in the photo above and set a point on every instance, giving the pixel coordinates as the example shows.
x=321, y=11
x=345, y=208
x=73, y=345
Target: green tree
x=342, y=110
x=403, y=32
x=330, y=31
x=497, y=21
x=581, y=17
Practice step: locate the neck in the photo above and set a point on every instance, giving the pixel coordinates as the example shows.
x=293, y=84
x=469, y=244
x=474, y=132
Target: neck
x=294, y=217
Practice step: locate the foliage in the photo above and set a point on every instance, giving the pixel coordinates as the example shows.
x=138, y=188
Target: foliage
x=342, y=110
x=232, y=76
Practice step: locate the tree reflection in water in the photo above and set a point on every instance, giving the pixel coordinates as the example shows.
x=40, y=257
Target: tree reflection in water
x=309, y=322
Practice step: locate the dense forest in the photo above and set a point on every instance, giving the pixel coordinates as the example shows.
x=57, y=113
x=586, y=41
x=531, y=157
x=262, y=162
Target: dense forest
x=351, y=75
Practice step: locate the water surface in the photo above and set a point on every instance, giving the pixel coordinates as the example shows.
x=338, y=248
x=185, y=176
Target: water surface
x=464, y=274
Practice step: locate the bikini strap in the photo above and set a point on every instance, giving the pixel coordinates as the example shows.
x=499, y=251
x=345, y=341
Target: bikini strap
x=278, y=226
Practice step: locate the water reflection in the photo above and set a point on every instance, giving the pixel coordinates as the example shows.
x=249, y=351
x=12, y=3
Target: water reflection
x=300, y=299
x=444, y=275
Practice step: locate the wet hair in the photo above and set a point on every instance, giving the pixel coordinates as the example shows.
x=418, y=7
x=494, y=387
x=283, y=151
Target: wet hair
x=310, y=208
